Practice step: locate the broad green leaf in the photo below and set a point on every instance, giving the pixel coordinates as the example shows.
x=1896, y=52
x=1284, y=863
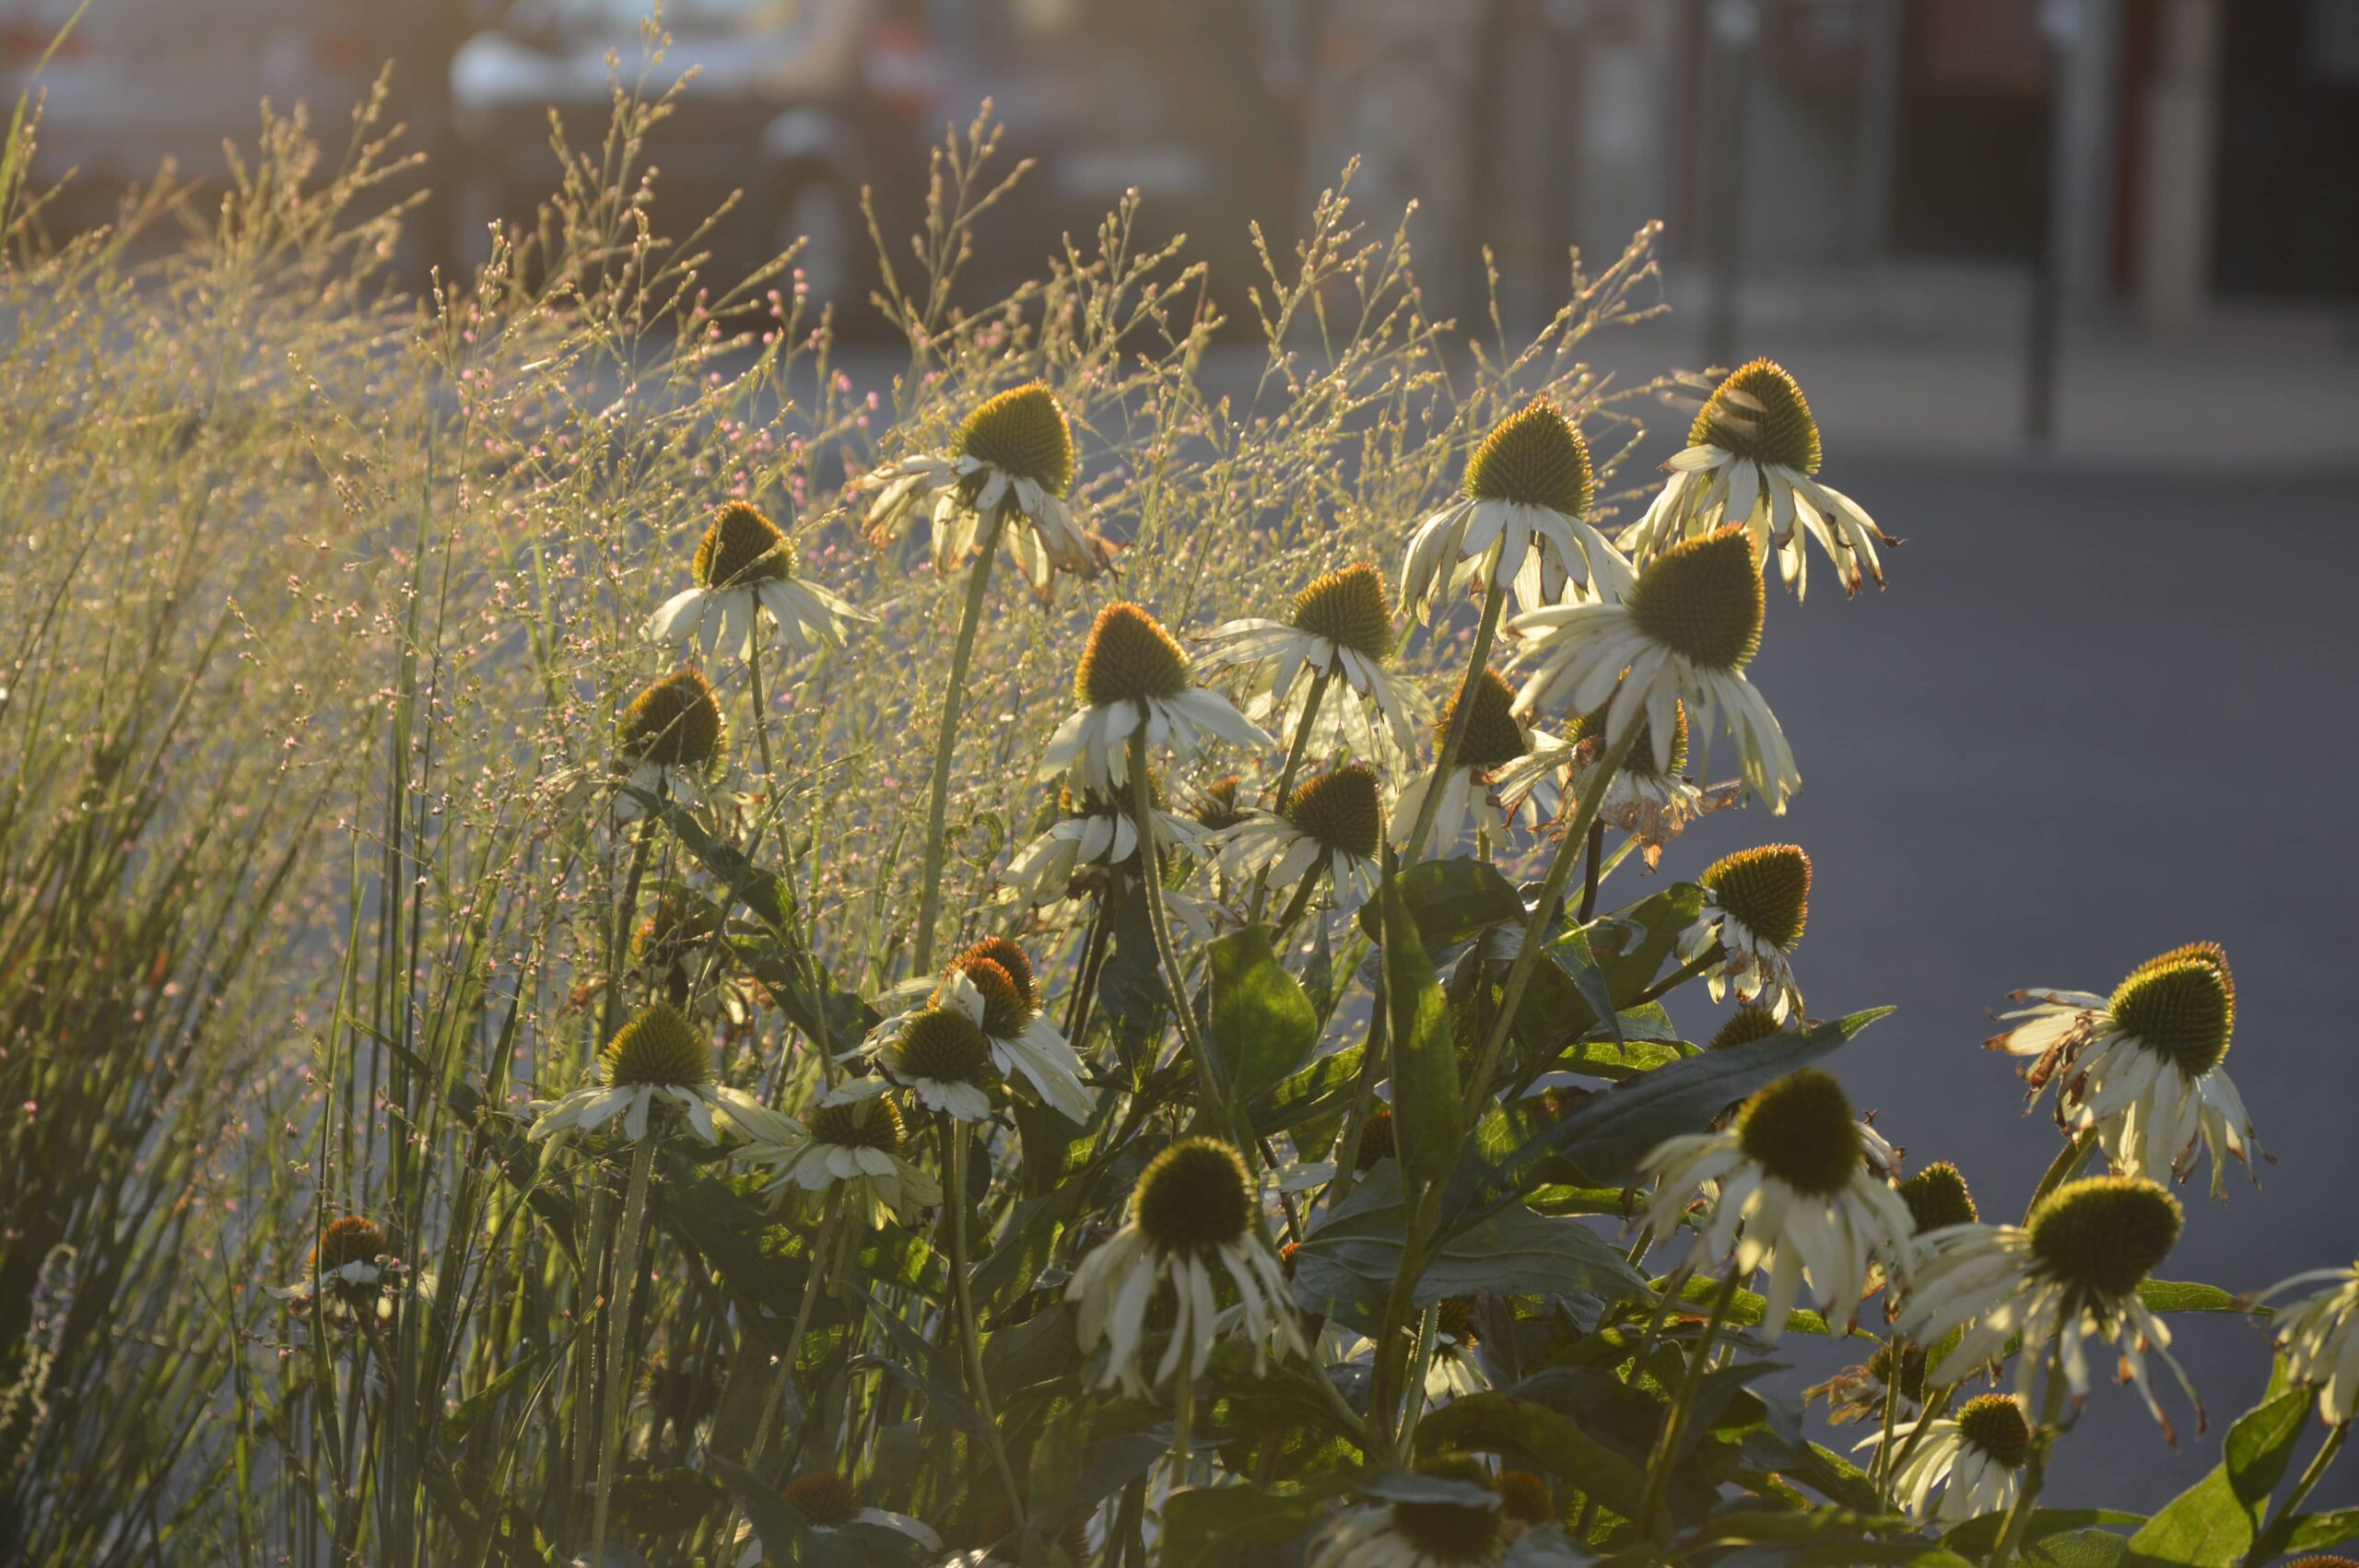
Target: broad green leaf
x=2260, y=1444
x=664, y=1502
x=461, y=1418
x=1262, y=1026
x=2076, y=1549
x=2316, y=1532
x=1450, y=900
x=1207, y=1526
x=1427, y=1114
x=2178, y=1295
x=1631, y=944
x=1977, y=1535
x=1344, y=1266
x=1538, y=1437
x=1604, y=1139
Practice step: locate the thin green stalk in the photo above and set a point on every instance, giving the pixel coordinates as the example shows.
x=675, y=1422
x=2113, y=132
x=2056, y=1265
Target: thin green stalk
x=971, y=1342
x=1286, y=778
x=1300, y=901
x=1551, y=891
x=1674, y=1426
x=2051, y=1407
x=615, y=1382
x=1211, y=1081
x=618, y=939
x=1478, y=658
x=937, y=812
x=2267, y=1543
x=1590, y=871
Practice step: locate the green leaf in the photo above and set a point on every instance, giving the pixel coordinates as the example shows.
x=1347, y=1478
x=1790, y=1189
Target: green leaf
x=1428, y=1117
x=2213, y=1523
x=2316, y=1532
x=1450, y=901
x=1537, y=1436
x=1344, y=1268
x=1977, y=1535
x=664, y=1502
x=2178, y=1295
x=2075, y=1549
x=1604, y=1141
x=461, y=1418
x=1262, y=1026
x=2260, y=1444
x=1746, y=1308
x=1207, y=1526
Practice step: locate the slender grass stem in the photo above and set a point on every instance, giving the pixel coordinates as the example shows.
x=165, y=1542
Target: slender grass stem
x=2266, y=1544
x=1478, y=658
x=1674, y=1426
x=1551, y=891
x=1286, y=778
x=945, y=745
x=1210, y=1080
x=2051, y=1409
x=615, y=1382
x=970, y=1340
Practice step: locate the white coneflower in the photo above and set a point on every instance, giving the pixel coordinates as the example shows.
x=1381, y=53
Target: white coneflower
x=1464, y=1525
x=1794, y=1194
x=2143, y=1066
x=1491, y=741
x=353, y=1272
x=992, y=983
x=1652, y=804
x=1979, y=1454
x=1757, y=903
x=1332, y=823
x=1752, y=460
x=828, y=1503
x=1012, y=458
x=1134, y=677
x=1528, y=489
x=658, y=1057
x=745, y=567
x=851, y=1139
x=1092, y=829
x=2067, y=1276
x=2319, y=1335
x=937, y=1053
x=672, y=738
x=1454, y=1370
x=1192, y=1221
x=1683, y=633
x=1340, y=627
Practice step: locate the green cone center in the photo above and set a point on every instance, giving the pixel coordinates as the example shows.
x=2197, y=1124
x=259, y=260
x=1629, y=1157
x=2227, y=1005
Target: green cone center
x=1937, y=1198
x=1642, y=751
x=659, y=1046
x=1759, y=413
x=1749, y=1022
x=1800, y=1130
x=1535, y=457
x=2105, y=1235
x=1492, y=738
x=1340, y=809
x=1994, y=1423
x=1703, y=601
x=2181, y=1005
x=1196, y=1196
x=1022, y=432
x=872, y=1123
x=1130, y=658
x=741, y=548
x=1766, y=889
x=676, y=722
x=1350, y=608
x=942, y=1044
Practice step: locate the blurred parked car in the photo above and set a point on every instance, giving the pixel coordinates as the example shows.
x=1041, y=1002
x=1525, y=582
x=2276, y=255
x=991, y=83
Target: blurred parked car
x=796, y=103
x=137, y=82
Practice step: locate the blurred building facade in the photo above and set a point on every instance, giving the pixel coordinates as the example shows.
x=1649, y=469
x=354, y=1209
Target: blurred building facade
x=2160, y=154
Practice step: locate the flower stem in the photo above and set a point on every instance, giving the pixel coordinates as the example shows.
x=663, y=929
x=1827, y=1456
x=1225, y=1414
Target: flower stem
x=1286, y=778
x=1675, y=1424
x=615, y=1385
x=937, y=813
x=2051, y=1407
x=1551, y=891
x=1212, y=1083
x=953, y=1160
x=1589, y=869
x=1478, y=658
